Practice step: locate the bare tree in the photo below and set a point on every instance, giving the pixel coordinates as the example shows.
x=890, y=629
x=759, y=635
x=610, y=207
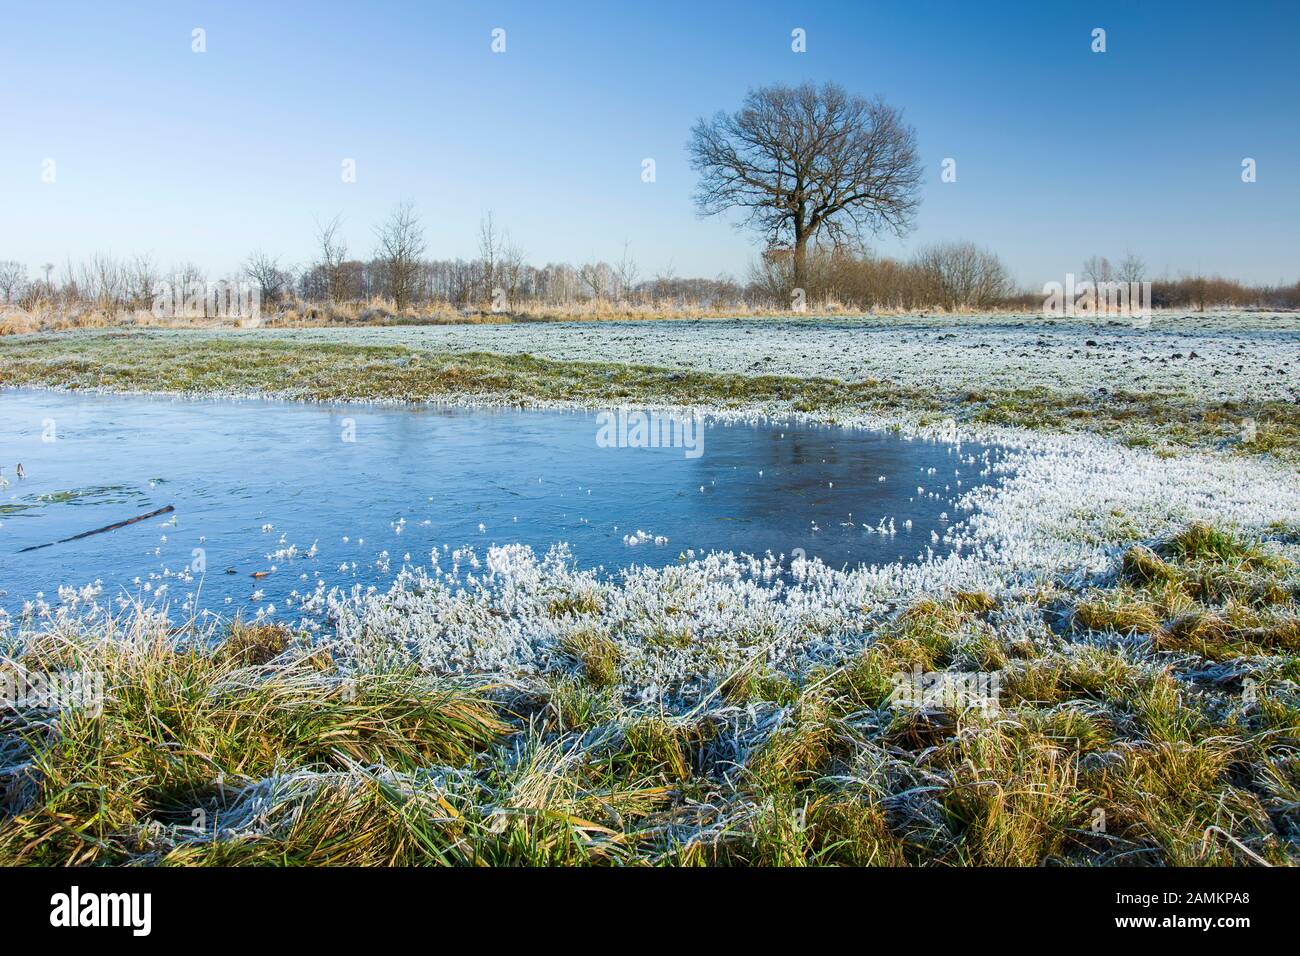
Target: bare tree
x=513, y=269
x=1131, y=268
x=663, y=280
x=489, y=251
x=597, y=277
x=70, y=290
x=106, y=279
x=264, y=271
x=1097, y=269
x=188, y=274
x=333, y=251
x=191, y=274
x=560, y=283
x=13, y=276
x=961, y=275
x=401, y=243
x=143, y=279
x=804, y=162
x=186, y=284
x=626, y=271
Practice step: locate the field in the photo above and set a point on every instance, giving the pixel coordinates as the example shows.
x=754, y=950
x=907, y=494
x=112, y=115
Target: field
x=1130, y=591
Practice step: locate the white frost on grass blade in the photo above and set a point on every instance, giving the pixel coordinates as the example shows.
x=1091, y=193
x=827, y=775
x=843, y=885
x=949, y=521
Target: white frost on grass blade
x=1064, y=506
x=680, y=629
x=1213, y=355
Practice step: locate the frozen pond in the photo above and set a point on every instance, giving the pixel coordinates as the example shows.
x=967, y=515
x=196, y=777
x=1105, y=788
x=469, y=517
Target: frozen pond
x=299, y=494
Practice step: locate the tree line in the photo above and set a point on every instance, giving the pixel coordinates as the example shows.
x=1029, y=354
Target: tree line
x=398, y=278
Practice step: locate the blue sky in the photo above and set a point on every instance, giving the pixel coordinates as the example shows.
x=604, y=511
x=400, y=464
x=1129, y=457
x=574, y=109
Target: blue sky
x=1061, y=152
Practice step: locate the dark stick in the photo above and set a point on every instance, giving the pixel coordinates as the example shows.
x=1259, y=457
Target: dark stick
x=111, y=527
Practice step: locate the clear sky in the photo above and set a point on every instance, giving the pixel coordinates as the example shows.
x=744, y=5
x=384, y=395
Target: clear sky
x=1060, y=152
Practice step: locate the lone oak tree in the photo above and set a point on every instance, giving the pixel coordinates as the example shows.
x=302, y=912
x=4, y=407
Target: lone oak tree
x=808, y=161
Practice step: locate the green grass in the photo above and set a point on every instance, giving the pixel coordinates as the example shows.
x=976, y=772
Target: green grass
x=182, y=722
x=598, y=655
x=329, y=372
x=1149, y=722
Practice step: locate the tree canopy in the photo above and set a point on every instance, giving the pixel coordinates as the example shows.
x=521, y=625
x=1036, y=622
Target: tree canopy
x=807, y=162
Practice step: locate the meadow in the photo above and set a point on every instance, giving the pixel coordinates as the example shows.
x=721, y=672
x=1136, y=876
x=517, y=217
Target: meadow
x=1131, y=590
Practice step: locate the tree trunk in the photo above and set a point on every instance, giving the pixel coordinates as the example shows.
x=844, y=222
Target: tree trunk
x=800, y=259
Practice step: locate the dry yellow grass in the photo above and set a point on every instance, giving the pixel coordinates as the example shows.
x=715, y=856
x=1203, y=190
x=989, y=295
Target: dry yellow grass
x=378, y=311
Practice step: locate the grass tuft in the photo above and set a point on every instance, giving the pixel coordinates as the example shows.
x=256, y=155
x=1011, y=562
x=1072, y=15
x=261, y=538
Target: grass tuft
x=1151, y=721
x=598, y=655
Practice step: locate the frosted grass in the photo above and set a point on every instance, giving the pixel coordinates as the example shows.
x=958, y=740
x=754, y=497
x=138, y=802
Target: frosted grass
x=1199, y=355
